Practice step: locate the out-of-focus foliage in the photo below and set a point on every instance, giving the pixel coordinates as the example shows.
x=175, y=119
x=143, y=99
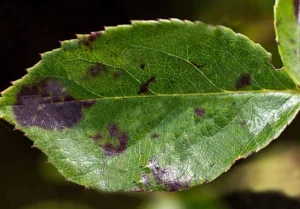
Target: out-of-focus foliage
x=53, y=204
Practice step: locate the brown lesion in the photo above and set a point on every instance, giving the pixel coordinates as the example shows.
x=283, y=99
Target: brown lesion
x=47, y=104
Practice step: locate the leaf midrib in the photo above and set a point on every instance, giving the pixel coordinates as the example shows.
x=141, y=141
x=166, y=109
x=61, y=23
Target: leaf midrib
x=229, y=93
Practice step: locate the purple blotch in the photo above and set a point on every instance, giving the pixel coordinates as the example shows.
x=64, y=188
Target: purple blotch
x=48, y=105
x=199, y=112
x=243, y=81
x=113, y=130
x=145, y=86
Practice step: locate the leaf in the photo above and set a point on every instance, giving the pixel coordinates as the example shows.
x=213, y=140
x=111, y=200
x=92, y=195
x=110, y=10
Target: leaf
x=158, y=105
x=287, y=25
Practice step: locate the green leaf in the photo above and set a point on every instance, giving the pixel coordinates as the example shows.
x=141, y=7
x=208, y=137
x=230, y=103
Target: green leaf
x=287, y=25
x=158, y=105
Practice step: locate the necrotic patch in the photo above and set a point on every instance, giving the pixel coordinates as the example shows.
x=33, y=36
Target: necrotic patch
x=48, y=105
x=168, y=177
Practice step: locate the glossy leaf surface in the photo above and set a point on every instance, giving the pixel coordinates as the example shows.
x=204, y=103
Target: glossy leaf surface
x=161, y=105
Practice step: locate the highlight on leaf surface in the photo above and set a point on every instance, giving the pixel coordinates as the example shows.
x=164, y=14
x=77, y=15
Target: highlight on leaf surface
x=156, y=105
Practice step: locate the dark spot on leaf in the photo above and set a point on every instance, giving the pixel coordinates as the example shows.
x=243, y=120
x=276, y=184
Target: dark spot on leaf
x=97, y=137
x=233, y=103
x=145, y=86
x=293, y=41
x=296, y=8
x=48, y=105
x=295, y=52
x=165, y=177
x=199, y=66
x=109, y=149
x=122, y=137
x=87, y=41
x=123, y=140
x=199, y=112
x=154, y=136
x=243, y=81
x=244, y=122
x=278, y=23
x=96, y=70
x=143, y=66
x=113, y=130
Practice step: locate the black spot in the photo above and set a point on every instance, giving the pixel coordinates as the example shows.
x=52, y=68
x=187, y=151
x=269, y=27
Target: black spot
x=97, y=137
x=199, y=66
x=88, y=40
x=243, y=81
x=199, y=112
x=154, y=136
x=143, y=66
x=48, y=105
x=96, y=70
x=233, y=103
x=296, y=8
x=113, y=130
x=145, y=86
x=293, y=41
x=243, y=122
x=111, y=150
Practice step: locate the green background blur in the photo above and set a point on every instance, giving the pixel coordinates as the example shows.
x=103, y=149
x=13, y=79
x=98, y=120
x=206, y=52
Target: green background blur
x=269, y=179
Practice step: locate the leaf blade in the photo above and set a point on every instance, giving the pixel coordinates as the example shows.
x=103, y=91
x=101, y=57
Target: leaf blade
x=152, y=106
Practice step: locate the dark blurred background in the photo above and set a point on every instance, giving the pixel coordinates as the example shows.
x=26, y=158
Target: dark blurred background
x=269, y=179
